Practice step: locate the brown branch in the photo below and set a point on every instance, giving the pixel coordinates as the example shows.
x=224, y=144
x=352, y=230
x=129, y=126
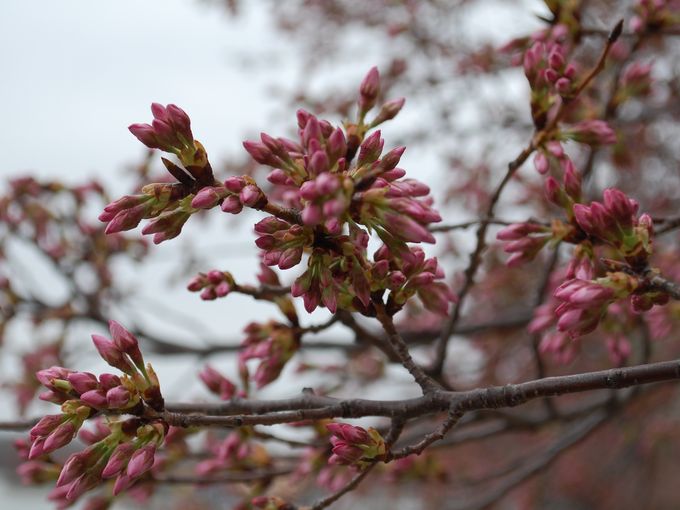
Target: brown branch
x=241, y=412
x=427, y=384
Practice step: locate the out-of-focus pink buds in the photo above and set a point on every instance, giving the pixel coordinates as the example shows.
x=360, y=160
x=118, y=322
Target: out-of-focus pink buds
x=388, y=111
x=273, y=344
x=523, y=242
x=141, y=461
x=590, y=132
x=217, y=383
x=369, y=90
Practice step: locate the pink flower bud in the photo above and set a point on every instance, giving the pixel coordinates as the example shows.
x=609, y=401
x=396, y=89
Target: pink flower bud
x=318, y=163
x=95, y=398
x=207, y=197
x=251, y=195
x=389, y=110
x=145, y=134
x=118, y=460
x=83, y=381
x=118, y=397
x=126, y=342
x=370, y=149
x=109, y=381
x=122, y=482
x=72, y=469
x=311, y=215
x=46, y=425
x=232, y=204
x=61, y=436
x=141, y=461
x=336, y=145
x=369, y=89
x=110, y=353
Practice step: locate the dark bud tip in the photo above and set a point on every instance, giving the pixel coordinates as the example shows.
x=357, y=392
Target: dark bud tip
x=616, y=33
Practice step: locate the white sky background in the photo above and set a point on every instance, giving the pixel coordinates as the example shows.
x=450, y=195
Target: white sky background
x=76, y=73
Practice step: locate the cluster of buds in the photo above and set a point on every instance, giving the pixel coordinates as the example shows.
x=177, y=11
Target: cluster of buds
x=353, y=446
x=636, y=81
x=235, y=451
x=327, y=198
x=122, y=352
x=590, y=132
x=393, y=210
x=283, y=243
x=337, y=278
x=170, y=131
x=123, y=449
x=126, y=453
x=654, y=15
x=335, y=202
x=169, y=203
x=615, y=222
x=217, y=383
x=212, y=284
x=408, y=275
x=524, y=241
x=584, y=303
x=273, y=343
x=545, y=65
x=549, y=75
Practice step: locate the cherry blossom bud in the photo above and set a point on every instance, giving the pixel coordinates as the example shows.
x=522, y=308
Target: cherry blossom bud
x=46, y=425
x=95, y=398
x=141, y=461
x=388, y=111
x=111, y=353
x=118, y=397
x=60, y=436
x=369, y=89
x=126, y=342
x=232, y=204
x=118, y=460
x=109, y=381
x=541, y=163
x=83, y=381
x=370, y=149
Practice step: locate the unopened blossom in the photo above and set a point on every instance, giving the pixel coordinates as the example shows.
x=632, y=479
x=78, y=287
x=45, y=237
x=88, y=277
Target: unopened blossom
x=615, y=222
x=584, y=303
x=410, y=274
x=273, y=344
x=283, y=243
x=369, y=90
x=352, y=444
x=212, y=284
x=590, y=132
x=523, y=241
x=217, y=383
